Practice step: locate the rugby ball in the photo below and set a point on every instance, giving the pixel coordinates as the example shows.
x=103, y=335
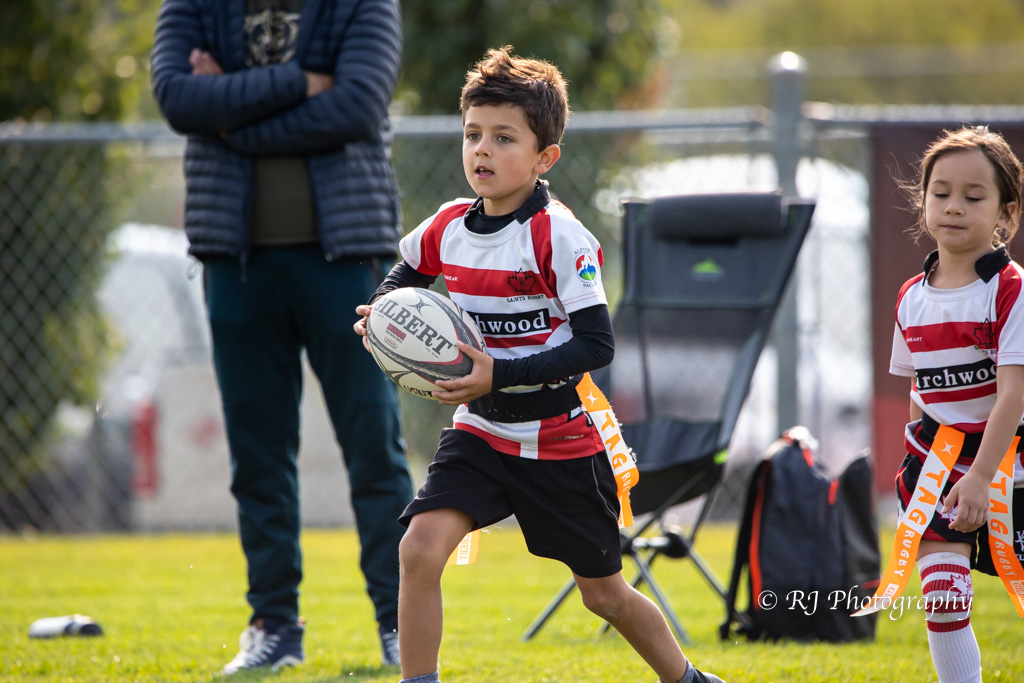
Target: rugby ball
x=413, y=334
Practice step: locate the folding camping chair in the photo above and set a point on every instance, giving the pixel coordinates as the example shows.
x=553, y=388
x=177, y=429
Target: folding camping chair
x=704, y=276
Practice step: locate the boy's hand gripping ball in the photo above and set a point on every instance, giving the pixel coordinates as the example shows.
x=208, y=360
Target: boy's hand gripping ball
x=413, y=334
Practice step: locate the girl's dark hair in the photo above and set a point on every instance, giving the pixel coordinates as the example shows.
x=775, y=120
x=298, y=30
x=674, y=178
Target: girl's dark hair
x=1008, y=172
x=533, y=84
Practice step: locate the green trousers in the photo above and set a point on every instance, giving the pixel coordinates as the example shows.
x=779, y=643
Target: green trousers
x=263, y=314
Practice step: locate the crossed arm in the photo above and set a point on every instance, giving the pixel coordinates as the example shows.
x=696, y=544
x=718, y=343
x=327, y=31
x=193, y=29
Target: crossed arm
x=279, y=108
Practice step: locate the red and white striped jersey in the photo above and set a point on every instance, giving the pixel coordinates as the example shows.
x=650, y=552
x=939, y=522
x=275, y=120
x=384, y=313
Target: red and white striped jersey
x=952, y=341
x=519, y=284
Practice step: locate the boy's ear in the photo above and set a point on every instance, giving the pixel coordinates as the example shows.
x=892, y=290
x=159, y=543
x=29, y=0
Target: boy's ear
x=547, y=158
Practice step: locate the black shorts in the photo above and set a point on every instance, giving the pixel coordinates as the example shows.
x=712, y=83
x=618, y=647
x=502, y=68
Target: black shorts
x=567, y=509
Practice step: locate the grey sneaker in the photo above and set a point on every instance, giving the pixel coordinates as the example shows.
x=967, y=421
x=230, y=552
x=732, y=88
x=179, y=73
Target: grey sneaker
x=702, y=677
x=693, y=675
x=389, y=646
x=269, y=643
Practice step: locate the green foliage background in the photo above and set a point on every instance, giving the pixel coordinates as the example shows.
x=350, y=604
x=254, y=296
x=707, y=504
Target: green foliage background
x=73, y=60
x=608, y=49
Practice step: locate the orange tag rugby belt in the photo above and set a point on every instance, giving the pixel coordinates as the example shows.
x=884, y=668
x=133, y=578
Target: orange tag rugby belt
x=935, y=473
x=1000, y=530
x=620, y=456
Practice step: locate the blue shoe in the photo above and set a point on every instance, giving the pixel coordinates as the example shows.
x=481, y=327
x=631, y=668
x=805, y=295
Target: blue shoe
x=269, y=643
x=389, y=645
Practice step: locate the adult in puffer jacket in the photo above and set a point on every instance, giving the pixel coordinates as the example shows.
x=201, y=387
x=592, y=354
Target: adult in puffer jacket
x=292, y=207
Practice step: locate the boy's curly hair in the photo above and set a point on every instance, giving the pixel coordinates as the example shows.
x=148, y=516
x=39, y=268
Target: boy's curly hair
x=1008, y=171
x=535, y=85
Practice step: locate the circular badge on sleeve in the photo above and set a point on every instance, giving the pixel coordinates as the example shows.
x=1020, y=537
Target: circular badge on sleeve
x=586, y=265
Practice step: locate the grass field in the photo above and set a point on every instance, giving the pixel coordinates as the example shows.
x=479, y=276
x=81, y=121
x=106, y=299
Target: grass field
x=172, y=607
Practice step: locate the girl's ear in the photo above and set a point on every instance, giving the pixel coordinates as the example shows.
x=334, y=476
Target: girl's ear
x=546, y=159
x=1009, y=214
x=1012, y=211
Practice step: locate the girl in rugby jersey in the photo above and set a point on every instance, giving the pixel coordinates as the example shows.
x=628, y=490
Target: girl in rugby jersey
x=521, y=443
x=960, y=335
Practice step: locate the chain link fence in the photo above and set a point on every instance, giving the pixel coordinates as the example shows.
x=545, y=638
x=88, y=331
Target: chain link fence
x=109, y=411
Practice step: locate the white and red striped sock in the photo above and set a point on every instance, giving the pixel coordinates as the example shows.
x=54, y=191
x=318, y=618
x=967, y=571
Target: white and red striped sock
x=946, y=584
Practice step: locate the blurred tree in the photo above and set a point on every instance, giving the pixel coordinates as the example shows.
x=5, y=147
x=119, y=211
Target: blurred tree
x=608, y=50
x=612, y=53
x=71, y=60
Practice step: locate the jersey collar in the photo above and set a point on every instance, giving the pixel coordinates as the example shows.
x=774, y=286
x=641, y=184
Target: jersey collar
x=986, y=267
x=537, y=201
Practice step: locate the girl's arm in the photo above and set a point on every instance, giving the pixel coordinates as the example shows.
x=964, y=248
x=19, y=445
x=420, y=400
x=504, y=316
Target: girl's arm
x=971, y=493
x=915, y=410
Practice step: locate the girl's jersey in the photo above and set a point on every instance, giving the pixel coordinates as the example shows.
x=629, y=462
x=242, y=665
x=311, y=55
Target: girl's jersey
x=519, y=284
x=952, y=340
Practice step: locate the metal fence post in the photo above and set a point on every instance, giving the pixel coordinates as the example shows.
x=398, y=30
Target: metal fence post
x=787, y=71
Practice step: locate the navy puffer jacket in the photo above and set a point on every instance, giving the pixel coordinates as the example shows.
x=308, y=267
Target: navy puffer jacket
x=229, y=119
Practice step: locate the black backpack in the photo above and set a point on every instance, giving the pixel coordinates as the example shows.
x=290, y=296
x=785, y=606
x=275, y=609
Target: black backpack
x=810, y=545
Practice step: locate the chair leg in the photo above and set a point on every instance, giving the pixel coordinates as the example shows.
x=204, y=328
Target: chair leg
x=716, y=585
x=631, y=547
x=548, y=611
x=644, y=575
x=635, y=583
x=712, y=580
x=568, y=588
x=634, y=546
x=643, y=566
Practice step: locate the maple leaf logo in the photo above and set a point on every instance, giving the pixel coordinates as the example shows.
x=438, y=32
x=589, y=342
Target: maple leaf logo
x=522, y=282
x=961, y=588
x=985, y=336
